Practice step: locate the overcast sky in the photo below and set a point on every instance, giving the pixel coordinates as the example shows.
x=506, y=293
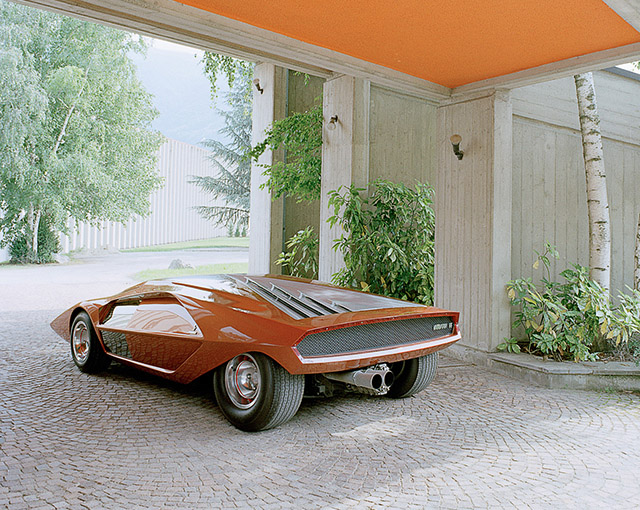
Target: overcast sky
x=174, y=75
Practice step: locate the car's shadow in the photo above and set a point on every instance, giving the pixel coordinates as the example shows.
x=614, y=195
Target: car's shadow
x=200, y=391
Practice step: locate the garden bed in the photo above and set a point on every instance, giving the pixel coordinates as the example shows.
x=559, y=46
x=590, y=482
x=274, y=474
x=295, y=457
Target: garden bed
x=586, y=375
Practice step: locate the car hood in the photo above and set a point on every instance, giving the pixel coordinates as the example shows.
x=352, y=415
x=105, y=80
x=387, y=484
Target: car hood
x=298, y=298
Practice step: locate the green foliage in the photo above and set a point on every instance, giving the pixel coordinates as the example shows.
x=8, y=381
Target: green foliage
x=75, y=137
x=301, y=257
x=566, y=320
x=48, y=244
x=232, y=183
x=300, y=135
x=233, y=69
x=388, y=244
x=509, y=345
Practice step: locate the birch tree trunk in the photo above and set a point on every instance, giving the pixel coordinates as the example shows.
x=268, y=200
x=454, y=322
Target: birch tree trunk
x=636, y=274
x=597, y=203
x=33, y=223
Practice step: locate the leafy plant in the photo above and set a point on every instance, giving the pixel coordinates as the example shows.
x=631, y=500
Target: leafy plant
x=300, y=135
x=509, y=345
x=48, y=245
x=566, y=320
x=301, y=256
x=388, y=240
x=233, y=69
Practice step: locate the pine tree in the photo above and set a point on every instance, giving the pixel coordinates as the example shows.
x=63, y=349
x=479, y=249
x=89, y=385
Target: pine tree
x=231, y=182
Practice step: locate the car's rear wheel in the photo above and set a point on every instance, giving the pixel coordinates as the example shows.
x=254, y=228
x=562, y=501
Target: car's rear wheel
x=413, y=375
x=255, y=393
x=86, y=351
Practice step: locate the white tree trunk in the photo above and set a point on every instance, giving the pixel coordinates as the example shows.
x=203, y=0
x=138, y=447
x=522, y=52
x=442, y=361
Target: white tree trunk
x=636, y=275
x=36, y=228
x=33, y=222
x=597, y=203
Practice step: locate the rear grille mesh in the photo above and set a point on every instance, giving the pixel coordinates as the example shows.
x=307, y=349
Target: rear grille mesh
x=377, y=335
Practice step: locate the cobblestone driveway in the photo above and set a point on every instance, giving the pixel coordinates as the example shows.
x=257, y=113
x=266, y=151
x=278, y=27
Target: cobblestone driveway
x=126, y=440
x=472, y=440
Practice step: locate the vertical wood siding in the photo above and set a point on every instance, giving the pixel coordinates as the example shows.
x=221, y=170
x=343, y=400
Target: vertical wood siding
x=402, y=138
x=173, y=217
x=549, y=199
x=472, y=207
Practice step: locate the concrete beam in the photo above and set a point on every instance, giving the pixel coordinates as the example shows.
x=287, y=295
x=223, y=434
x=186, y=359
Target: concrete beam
x=553, y=71
x=173, y=21
x=628, y=10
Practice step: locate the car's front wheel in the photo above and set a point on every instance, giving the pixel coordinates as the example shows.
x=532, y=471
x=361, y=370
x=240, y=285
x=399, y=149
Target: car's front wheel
x=255, y=393
x=413, y=375
x=86, y=351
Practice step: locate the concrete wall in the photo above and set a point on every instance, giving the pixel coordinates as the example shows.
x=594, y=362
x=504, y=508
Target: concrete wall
x=549, y=196
x=401, y=137
x=173, y=217
x=473, y=215
x=380, y=134
x=303, y=93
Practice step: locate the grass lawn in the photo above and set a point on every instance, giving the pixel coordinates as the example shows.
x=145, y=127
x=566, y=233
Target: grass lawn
x=232, y=267
x=216, y=242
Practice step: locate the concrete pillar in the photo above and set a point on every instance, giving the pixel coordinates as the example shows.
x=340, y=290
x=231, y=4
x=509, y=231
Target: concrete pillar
x=345, y=156
x=473, y=217
x=266, y=218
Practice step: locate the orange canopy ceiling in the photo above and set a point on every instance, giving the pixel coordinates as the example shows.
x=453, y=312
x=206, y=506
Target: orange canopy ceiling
x=447, y=42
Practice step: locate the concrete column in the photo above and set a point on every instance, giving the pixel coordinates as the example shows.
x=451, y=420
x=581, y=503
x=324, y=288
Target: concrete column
x=345, y=156
x=266, y=218
x=473, y=217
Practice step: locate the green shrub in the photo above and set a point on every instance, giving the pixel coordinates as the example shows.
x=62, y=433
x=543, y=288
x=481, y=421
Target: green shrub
x=48, y=245
x=298, y=176
x=301, y=257
x=568, y=320
x=388, y=240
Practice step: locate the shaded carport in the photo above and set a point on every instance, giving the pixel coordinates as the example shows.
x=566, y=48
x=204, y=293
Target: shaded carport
x=463, y=60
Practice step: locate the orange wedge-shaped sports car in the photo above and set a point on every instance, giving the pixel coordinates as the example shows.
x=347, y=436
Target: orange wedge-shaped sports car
x=267, y=340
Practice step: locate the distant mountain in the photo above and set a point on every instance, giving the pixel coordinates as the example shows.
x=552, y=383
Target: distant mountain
x=175, y=77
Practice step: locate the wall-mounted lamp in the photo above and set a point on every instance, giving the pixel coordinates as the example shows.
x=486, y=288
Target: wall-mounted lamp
x=455, y=141
x=333, y=121
x=256, y=82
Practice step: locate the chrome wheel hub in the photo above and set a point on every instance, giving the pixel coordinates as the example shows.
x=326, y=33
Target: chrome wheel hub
x=80, y=342
x=242, y=381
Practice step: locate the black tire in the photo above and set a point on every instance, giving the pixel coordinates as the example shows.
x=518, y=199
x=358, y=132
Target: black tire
x=86, y=350
x=413, y=375
x=255, y=393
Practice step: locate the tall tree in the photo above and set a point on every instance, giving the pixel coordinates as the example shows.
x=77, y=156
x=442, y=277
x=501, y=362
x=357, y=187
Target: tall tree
x=597, y=202
x=636, y=271
x=232, y=180
x=75, y=137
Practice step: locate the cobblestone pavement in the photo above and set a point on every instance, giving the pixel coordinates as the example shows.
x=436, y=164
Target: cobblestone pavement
x=471, y=440
x=124, y=439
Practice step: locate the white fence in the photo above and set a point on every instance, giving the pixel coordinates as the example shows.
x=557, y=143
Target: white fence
x=173, y=217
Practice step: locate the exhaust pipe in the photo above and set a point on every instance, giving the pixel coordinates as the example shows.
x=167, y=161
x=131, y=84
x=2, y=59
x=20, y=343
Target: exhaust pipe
x=376, y=379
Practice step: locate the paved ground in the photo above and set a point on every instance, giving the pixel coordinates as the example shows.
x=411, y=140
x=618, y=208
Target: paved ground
x=61, y=286
x=128, y=440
